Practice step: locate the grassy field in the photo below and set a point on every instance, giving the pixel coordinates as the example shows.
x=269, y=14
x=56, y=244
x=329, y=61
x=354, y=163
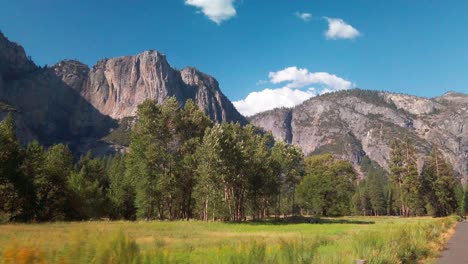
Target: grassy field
x=339, y=240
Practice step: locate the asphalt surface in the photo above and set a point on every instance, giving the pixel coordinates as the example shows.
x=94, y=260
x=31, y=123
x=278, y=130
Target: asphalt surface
x=457, y=248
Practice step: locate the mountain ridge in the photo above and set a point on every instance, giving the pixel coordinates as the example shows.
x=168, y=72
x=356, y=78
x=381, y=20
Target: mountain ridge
x=73, y=103
x=374, y=118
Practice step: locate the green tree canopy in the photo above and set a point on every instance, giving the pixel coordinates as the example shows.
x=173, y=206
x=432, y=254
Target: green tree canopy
x=327, y=186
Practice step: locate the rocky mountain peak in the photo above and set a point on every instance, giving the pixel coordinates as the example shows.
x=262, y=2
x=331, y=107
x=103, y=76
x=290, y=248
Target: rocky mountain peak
x=72, y=72
x=117, y=86
x=194, y=78
x=72, y=103
x=13, y=59
x=70, y=66
x=412, y=104
x=455, y=97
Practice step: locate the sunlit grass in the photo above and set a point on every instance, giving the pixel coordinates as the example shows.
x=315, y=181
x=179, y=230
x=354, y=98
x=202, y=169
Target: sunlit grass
x=386, y=240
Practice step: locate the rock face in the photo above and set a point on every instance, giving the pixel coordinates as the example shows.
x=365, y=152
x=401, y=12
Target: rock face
x=46, y=108
x=357, y=123
x=115, y=87
x=412, y=104
x=13, y=59
x=72, y=103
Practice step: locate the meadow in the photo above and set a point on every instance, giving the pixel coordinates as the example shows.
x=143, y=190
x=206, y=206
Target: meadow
x=331, y=240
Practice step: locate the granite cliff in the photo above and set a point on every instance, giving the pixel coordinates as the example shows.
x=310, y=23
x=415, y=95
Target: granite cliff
x=71, y=103
x=115, y=87
x=357, y=123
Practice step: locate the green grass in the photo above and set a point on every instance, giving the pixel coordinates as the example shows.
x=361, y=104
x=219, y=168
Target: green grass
x=386, y=240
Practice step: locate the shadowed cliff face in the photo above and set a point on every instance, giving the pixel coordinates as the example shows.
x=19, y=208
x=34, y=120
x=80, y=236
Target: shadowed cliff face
x=13, y=59
x=46, y=108
x=356, y=123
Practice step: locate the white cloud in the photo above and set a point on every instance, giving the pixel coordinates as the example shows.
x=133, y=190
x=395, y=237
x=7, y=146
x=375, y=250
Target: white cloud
x=296, y=90
x=304, y=16
x=261, y=82
x=338, y=29
x=302, y=77
x=216, y=10
x=268, y=99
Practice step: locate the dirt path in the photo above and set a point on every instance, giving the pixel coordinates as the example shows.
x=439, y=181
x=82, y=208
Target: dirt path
x=457, y=248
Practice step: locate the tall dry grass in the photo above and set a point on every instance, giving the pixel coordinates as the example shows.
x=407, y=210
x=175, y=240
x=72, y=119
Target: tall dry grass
x=390, y=240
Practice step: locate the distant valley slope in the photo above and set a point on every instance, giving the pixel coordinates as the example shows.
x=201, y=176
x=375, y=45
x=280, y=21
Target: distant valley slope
x=357, y=123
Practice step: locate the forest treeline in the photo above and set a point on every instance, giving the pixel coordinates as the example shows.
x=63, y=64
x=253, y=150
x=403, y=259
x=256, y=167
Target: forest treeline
x=180, y=165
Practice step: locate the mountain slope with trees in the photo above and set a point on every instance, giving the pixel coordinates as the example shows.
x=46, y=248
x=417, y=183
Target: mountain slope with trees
x=356, y=123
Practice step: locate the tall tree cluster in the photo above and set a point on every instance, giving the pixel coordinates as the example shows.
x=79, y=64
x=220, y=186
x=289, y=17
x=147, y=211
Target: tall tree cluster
x=192, y=168
x=434, y=190
x=373, y=195
x=33, y=181
x=405, y=178
x=440, y=186
x=182, y=166
x=179, y=166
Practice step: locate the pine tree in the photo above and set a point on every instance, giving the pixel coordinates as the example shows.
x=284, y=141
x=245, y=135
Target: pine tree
x=121, y=190
x=52, y=192
x=397, y=170
x=375, y=189
x=34, y=168
x=404, y=176
x=360, y=200
x=89, y=183
x=411, y=186
x=16, y=201
x=439, y=184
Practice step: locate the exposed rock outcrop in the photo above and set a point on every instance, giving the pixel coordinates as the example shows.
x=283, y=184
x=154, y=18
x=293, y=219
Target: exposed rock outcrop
x=72, y=103
x=355, y=123
x=117, y=86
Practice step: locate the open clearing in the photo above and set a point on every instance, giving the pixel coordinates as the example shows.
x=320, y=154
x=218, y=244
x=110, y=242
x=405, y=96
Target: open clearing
x=336, y=240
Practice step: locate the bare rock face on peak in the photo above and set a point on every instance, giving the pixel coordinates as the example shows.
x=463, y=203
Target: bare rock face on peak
x=72, y=103
x=117, y=86
x=205, y=91
x=355, y=124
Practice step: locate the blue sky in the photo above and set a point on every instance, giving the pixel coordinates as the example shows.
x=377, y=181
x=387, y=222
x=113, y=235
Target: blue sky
x=416, y=47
